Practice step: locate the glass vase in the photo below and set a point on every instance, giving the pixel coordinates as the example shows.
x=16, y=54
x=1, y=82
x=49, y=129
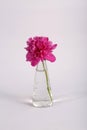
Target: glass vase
x=42, y=95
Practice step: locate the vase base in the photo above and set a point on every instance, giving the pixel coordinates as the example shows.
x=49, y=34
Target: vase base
x=42, y=103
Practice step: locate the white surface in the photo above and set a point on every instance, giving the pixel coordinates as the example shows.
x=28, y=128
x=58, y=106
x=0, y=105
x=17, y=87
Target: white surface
x=64, y=22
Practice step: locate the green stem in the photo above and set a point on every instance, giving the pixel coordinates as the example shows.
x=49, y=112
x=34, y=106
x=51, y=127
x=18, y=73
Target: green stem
x=47, y=81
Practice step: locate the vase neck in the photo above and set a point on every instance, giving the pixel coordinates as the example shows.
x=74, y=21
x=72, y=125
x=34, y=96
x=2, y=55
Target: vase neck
x=41, y=66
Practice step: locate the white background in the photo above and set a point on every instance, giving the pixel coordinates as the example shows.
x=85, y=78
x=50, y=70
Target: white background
x=64, y=22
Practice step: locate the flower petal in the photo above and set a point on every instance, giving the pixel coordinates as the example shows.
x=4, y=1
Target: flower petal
x=50, y=57
x=28, y=57
x=54, y=46
x=35, y=62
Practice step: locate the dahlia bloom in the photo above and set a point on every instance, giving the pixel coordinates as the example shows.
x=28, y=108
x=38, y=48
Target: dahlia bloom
x=39, y=49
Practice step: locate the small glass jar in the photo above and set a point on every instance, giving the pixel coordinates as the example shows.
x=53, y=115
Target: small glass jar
x=42, y=95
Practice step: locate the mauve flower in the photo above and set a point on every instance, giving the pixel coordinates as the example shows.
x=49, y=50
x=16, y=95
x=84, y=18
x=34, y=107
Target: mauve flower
x=39, y=49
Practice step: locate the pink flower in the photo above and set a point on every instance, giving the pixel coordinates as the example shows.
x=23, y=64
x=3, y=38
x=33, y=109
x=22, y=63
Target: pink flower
x=39, y=49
